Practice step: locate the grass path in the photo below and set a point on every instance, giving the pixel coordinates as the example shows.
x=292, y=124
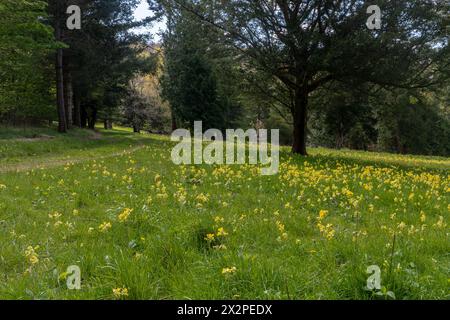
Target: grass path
x=50, y=162
x=28, y=150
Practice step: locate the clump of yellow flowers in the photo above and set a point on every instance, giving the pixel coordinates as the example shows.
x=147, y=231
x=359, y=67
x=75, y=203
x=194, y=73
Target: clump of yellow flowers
x=31, y=255
x=105, y=226
x=326, y=230
x=228, y=271
x=201, y=199
x=221, y=232
x=210, y=237
x=120, y=292
x=125, y=214
x=281, y=229
x=322, y=214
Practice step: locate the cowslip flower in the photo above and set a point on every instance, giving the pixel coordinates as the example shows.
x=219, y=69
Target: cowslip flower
x=322, y=214
x=210, y=237
x=220, y=247
x=120, y=292
x=231, y=270
x=440, y=224
x=221, y=232
x=219, y=219
x=327, y=230
x=202, y=198
x=31, y=254
x=423, y=217
x=105, y=226
x=125, y=214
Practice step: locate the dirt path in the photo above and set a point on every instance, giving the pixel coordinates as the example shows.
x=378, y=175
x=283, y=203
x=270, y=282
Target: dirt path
x=46, y=163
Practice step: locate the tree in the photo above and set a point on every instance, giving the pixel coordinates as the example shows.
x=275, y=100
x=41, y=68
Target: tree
x=94, y=68
x=199, y=79
x=308, y=44
x=135, y=109
x=158, y=116
x=25, y=79
x=57, y=13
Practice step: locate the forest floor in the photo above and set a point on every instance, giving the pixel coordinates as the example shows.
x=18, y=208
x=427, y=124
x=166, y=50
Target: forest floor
x=140, y=227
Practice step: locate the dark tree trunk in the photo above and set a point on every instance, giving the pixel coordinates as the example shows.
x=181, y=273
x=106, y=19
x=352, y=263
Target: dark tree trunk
x=77, y=111
x=136, y=129
x=340, y=139
x=62, y=125
x=108, y=124
x=174, y=122
x=83, y=117
x=92, y=119
x=299, y=115
x=68, y=95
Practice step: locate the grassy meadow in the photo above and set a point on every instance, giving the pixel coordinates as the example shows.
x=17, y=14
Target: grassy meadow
x=140, y=227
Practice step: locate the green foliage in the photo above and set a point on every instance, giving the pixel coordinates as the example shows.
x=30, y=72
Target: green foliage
x=305, y=46
x=135, y=109
x=409, y=125
x=144, y=103
x=25, y=73
x=399, y=121
x=199, y=80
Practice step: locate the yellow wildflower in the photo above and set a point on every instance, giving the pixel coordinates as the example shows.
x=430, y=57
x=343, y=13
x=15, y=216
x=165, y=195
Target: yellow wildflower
x=221, y=232
x=105, y=226
x=231, y=270
x=120, y=292
x=423, y=217
x=440, y=223
x=31, y=254
x=322, y=214
x=326, y=230
x=125, y=214
x=218, y=219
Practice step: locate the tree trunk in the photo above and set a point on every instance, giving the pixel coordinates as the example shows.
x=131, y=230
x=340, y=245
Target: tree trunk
x=299, y=115
x=340, y=136
x=136, y=129
x=108, y=124
x=83, y=116
x=92, y=119
x=62, y=125
x=174, y=122
x=68, y=95
x=76, y=111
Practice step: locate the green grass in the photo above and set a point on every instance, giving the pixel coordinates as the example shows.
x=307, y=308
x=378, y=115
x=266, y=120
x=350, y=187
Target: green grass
x=7, y=132
x=380, y=209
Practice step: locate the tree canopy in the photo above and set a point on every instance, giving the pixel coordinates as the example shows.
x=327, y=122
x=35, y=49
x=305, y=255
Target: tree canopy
x=306, y=45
